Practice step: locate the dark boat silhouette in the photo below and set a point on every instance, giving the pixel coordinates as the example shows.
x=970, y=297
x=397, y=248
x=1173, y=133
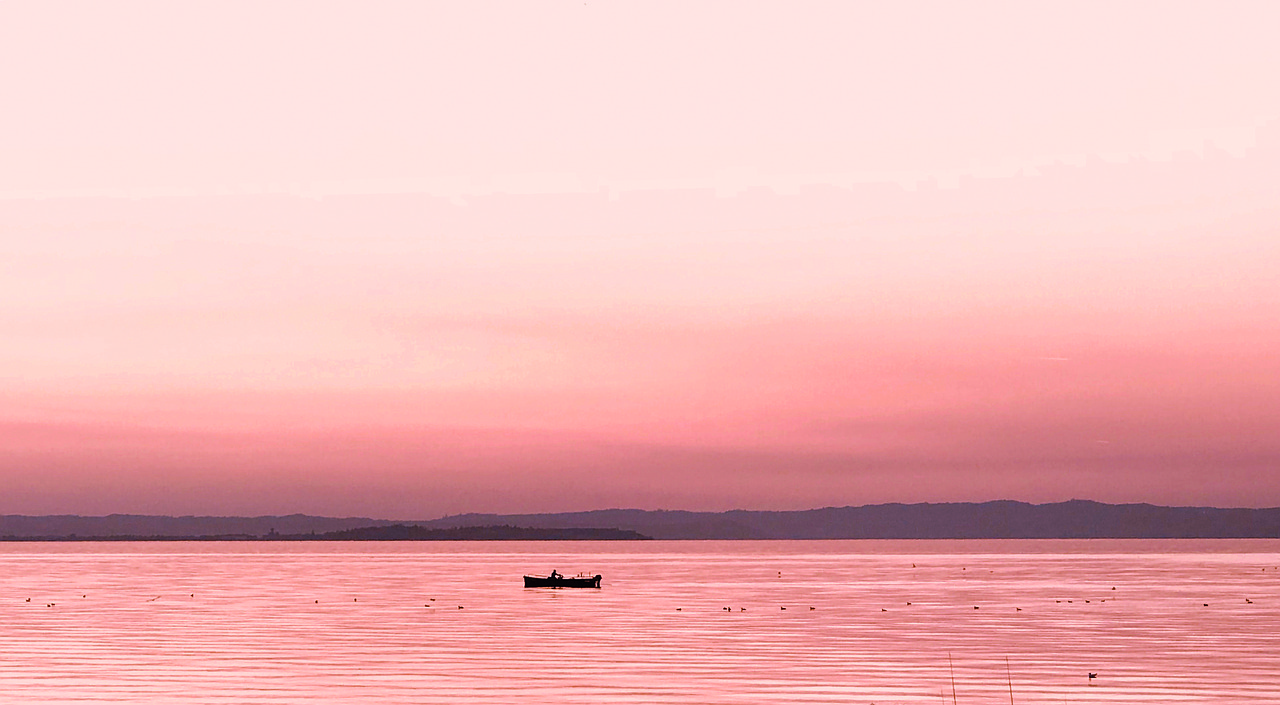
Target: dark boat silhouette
x=560, y=581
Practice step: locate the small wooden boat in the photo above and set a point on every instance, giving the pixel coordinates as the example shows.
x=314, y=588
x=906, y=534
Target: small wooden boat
x=560, y=581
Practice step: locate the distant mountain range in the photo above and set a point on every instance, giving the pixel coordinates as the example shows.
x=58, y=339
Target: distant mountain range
x=998, y=519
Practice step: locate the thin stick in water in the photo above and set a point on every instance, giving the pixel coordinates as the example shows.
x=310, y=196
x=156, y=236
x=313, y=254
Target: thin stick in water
x=953, y=678
x=1009, y=673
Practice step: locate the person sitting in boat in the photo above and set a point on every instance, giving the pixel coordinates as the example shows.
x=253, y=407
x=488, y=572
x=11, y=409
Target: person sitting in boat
x=555, y=575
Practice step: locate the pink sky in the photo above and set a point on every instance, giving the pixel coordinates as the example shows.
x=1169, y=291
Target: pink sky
x=407, y=259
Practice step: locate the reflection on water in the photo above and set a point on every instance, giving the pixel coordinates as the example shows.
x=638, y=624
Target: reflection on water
x=864, y=622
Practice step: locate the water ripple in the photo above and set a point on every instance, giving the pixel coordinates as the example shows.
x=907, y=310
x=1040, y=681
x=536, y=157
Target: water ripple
x=381, y=623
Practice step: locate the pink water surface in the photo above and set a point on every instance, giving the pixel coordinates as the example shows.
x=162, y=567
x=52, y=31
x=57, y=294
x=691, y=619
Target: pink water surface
x=864, y=622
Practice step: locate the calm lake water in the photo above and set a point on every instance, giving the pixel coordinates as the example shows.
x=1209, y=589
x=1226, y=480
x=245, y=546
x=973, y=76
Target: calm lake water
x=1158, y=621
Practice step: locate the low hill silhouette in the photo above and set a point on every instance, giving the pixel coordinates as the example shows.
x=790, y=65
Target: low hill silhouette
x=409, y=532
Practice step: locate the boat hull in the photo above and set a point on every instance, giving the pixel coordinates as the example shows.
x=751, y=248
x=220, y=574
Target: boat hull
x=531, y=581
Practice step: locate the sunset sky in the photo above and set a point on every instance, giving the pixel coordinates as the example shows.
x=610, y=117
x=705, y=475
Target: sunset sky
x=408, y=259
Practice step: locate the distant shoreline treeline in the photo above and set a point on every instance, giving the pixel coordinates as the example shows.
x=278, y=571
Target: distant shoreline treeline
x=1003, y=519
x=393, y=532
